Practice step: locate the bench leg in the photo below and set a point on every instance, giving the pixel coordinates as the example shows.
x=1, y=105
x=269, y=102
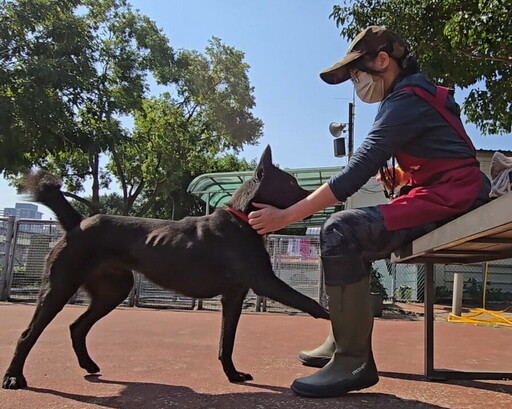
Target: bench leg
x=428, y=322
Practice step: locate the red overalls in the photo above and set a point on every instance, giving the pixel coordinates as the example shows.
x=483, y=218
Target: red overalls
x=443, y=187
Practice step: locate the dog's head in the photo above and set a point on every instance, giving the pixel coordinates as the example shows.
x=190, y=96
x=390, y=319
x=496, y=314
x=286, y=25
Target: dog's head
x=269, y=185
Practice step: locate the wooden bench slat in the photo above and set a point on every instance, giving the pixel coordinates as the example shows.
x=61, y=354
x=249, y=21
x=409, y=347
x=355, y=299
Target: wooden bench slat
x=486, y=229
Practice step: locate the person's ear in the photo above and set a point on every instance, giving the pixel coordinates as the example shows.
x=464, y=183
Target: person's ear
x=382, y=60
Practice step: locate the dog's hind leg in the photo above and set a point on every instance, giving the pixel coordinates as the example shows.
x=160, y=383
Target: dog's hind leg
x=50, y=303
x=231, y=309
x=107, y=287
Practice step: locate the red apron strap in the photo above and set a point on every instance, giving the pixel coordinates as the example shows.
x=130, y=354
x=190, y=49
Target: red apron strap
x=439, y=102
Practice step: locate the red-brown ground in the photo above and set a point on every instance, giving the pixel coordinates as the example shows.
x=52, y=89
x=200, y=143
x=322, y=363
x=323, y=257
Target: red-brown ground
x=168, y=359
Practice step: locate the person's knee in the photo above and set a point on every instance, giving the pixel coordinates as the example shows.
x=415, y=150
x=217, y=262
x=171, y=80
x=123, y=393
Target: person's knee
x=344, y=270
x=336, y=237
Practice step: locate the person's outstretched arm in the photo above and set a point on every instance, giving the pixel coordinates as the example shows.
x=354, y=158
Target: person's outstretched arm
x=269, y=218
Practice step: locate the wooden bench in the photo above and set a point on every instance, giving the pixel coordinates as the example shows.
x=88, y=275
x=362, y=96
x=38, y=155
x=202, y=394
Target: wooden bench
x=484, y=234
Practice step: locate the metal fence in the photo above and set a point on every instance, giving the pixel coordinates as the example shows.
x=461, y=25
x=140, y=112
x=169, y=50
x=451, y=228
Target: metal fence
x=25, y=243
x=6, y=227
x=25, y=256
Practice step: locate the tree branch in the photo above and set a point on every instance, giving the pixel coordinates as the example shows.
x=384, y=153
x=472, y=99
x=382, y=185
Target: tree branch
x=78, y=199
x=471, y=54
x=120, y=171
x=131, y=199
x=152, y=198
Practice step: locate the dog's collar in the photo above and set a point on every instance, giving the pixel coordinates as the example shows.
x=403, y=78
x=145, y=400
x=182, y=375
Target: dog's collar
x=238, y=213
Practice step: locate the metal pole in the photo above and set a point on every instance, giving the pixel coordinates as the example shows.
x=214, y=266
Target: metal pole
x=11, y=256
x=200, y=300
x=428, y=321
x=351, y=109
x=351, y=114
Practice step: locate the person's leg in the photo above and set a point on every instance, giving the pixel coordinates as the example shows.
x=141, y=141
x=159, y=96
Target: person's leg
x=349, y=241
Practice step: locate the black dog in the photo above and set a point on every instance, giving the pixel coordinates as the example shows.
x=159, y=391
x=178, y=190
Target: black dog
x=197, y=256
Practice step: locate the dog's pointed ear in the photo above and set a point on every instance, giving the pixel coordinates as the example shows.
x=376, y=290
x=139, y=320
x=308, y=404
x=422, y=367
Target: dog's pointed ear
x=265, y=162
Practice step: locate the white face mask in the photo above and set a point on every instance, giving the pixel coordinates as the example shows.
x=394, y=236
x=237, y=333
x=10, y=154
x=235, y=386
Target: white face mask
x=367, y=88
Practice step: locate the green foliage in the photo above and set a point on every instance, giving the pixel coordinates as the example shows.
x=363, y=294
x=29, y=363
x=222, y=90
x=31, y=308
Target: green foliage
x=177, y=203
x=169, y=204
x=443, y=294
x=458, y=42
x=498, y=295
x=404, y=293
x=72, y=72
x=376, y=284
x=44, y=67
x=473, y=290
x=111, y=203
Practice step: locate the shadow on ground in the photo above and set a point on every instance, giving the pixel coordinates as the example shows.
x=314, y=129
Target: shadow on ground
x=153, y=395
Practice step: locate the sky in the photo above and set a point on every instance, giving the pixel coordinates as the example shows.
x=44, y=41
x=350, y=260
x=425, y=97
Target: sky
x=286, y=43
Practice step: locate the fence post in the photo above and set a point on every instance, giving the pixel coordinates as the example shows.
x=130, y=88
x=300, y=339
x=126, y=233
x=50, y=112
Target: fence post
x=7, y=258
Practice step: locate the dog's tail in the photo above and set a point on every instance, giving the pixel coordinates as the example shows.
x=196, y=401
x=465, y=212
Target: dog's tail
x=45, y=188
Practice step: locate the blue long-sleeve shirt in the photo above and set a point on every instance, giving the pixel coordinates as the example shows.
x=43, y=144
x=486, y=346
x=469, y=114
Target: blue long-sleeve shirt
x=405, y=122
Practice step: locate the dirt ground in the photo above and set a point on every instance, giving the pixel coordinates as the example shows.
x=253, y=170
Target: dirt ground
x=152, y=359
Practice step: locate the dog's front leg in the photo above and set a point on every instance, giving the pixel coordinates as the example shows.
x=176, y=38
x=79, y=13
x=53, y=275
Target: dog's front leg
x=269, y=285
x=232, y=302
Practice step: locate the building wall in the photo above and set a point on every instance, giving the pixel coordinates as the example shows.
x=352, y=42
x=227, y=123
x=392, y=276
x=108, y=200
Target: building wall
x=23, y=211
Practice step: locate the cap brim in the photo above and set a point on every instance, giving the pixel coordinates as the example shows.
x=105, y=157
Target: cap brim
x=339, y=72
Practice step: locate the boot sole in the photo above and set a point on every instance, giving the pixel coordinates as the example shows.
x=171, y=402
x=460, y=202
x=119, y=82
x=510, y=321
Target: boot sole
x=314, y=361
x=333, y=391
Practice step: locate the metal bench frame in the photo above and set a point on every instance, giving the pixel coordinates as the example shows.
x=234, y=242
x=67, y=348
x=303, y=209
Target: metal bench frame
x=484, y=234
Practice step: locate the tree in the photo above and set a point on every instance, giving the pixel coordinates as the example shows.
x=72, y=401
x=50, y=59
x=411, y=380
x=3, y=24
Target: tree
x=73, y=73
x=463, y=43
x=177, y=134
x=111, y=203
x=177, y=203
x=71, y=69
x=44, y=67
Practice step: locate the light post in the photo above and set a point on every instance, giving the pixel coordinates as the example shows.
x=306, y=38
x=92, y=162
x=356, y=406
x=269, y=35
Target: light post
x=338, y=128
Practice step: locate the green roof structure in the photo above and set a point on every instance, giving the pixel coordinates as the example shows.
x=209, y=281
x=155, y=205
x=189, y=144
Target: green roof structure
x=215, y=189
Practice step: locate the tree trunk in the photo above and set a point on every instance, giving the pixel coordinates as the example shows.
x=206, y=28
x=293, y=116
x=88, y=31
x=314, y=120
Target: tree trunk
x=95, y=173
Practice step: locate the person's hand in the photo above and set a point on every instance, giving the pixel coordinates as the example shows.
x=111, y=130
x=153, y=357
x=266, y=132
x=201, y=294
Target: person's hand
x=400, y=178
x=267, y=219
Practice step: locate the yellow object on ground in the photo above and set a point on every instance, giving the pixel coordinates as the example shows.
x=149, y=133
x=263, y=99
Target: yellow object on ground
x=489, y=317
x=484, y=317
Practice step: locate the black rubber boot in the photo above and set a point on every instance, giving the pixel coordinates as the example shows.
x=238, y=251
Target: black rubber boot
x=352, y=366
x=320, y=356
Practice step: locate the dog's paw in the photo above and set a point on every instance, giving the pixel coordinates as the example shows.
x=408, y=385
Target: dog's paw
x=320, y=312
x=325, y=314
x=240, y=377
x=14, y=382
x=90, y=367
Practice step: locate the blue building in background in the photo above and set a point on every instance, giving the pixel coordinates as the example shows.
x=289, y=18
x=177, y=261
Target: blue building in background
x=23, y=211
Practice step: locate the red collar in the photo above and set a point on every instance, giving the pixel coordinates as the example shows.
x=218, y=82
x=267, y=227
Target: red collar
x=238, y=213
